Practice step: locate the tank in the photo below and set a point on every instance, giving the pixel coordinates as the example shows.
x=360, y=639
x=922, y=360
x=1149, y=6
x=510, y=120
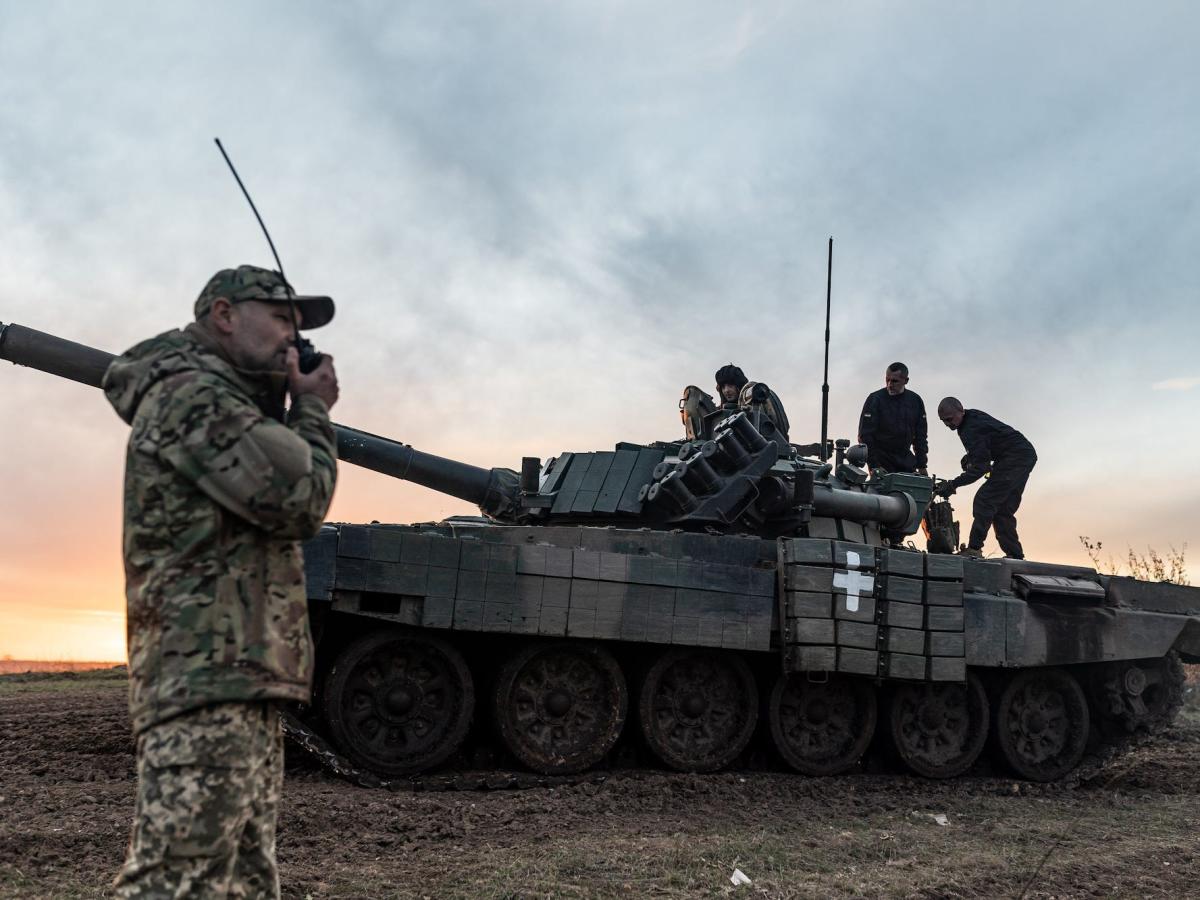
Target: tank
x=697, y=599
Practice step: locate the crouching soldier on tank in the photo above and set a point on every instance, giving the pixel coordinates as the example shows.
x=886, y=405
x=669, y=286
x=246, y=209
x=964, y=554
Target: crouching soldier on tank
x=1007, y=454
x=221, y=486
x=736, y=393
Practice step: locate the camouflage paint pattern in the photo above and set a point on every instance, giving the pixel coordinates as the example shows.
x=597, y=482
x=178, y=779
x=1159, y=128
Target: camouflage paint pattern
x=209, y=783
x=219, y=492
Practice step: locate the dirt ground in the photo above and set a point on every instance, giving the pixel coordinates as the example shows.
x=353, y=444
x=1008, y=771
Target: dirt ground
x=67, y=788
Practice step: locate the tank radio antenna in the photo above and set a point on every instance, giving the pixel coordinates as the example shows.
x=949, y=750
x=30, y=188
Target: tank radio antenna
x=309, y=357
x=825, y=384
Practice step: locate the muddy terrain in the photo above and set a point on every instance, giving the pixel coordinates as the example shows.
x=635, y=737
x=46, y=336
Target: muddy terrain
x=67, y=788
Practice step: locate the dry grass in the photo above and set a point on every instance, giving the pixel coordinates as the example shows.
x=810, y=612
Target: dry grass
x=21, y=666
x=989, y=849
x=59, y=680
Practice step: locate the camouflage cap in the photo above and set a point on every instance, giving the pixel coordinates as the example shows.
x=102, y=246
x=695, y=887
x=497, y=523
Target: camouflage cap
x=252, y=283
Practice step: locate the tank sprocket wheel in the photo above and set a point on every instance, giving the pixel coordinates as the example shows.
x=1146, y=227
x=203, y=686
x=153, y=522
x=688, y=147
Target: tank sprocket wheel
x=939, y=730
x=398, y=703
x=698, y=709
x=1138, y=695
x=822, y=727
x=560, y=707
x=1041, y=723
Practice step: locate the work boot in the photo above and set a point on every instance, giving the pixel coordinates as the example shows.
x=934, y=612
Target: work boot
x=971, y=552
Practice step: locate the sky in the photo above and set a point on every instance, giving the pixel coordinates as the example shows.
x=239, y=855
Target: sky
x=540, y=221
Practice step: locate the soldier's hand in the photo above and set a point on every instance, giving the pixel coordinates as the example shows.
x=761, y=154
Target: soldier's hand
x=922, y=471
x=945, y=489
x=321, y=381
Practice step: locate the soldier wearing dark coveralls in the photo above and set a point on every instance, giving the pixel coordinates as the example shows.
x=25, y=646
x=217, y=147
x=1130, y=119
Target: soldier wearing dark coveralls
x=893, y=425
x=221, y=486
x=990, y=444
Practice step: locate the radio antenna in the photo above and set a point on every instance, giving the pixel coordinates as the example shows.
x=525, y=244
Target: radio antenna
x=254, y=209
x=309, y=357
x=825, y=385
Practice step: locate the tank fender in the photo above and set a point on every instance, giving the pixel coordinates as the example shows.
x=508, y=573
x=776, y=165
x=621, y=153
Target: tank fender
x=1009, y=632
x=1188, y=642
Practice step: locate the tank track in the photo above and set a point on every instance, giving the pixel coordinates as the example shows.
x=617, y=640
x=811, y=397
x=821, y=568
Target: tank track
x=332, y=761
x=1098, y=762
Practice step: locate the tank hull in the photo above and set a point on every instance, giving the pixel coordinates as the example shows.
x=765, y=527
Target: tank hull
x=891, y=629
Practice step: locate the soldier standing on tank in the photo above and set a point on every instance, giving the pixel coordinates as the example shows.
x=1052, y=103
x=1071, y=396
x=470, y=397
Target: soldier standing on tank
x=894, y=427
x=990, y=444
x=221, y=486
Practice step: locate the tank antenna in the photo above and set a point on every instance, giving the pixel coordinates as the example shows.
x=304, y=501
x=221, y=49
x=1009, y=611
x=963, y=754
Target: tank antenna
x=825, y=384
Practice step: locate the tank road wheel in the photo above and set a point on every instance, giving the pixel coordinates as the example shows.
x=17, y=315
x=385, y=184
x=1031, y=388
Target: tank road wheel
x=939, y=729
x=1042, y=723
x=1138, y=695
x=698, y=709
x=822, y=727
x=398, y=703
x=560, y=707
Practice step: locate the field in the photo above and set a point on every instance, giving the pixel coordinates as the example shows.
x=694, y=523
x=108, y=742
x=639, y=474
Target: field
x=19, y=666
x=66, y=796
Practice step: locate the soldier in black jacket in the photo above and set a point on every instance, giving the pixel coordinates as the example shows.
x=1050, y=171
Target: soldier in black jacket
x=990, y=444
x=893, y=425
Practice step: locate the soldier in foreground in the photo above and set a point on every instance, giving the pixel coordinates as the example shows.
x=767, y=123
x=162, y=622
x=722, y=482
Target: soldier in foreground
x=893, y=425
x=990, y=445
x=221, y=485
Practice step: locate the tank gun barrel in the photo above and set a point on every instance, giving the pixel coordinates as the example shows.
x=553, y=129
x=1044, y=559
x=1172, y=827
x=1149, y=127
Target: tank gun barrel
x=66, y=359
x=490, y=489
x=401, y=461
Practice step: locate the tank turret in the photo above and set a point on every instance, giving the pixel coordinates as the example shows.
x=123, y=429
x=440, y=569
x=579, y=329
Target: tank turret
x=737, y=481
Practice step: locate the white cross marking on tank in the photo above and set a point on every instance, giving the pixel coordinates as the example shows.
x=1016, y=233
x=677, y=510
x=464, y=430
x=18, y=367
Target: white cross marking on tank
x=853, y=582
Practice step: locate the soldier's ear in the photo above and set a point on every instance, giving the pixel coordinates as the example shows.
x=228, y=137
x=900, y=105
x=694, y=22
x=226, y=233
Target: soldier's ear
x=221, y=316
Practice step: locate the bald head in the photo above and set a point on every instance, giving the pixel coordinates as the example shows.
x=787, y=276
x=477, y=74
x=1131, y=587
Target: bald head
x=950, y=411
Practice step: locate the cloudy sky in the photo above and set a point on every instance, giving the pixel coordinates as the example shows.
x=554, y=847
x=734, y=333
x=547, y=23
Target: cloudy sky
x=541, y=220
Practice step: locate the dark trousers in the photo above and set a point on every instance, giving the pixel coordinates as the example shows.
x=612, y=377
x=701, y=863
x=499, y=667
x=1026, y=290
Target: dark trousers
x=996, y=505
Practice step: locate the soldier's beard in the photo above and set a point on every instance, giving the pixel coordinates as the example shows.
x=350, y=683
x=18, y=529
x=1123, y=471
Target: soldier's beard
x=256, y=359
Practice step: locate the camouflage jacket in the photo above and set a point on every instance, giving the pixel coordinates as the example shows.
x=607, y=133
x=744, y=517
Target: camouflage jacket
x=219, y=492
